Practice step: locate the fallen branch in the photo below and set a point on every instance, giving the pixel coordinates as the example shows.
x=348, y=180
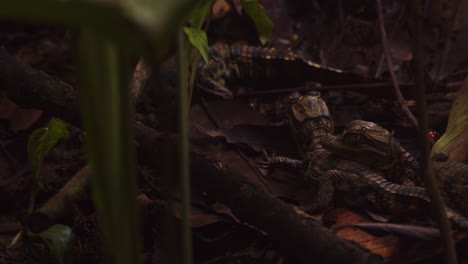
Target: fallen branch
x=302, y=240
x=61, y=204
x=30, y=88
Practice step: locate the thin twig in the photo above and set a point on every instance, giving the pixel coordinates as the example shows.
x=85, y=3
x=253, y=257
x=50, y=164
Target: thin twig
x=320, y=88
x=255, y=169
x=148, y=181
x=341, y=14
x=378, y=72
x=388, y=57
x=426, y=166
x=207, y=111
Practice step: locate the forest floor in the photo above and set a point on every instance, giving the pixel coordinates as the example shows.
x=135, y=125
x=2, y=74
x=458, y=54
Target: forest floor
x=236, y=132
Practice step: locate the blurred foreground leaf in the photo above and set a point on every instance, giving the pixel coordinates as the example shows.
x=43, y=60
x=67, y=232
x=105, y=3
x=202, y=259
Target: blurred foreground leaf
x=145, y=27
x=199, y=14
x=106, y=108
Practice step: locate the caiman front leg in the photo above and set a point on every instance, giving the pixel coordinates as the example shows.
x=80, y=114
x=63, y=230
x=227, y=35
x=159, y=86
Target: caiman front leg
x=285, y=162
x=326, y=190
x=281, y=162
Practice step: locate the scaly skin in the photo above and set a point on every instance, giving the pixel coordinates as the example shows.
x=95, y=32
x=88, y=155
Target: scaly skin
x=243, y=64
x=366, y=188
x=368, y=143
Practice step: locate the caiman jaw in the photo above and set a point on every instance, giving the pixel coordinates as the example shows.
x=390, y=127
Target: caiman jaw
x=361, y=153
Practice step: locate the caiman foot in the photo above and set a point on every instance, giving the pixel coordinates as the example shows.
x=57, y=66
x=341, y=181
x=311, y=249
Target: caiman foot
x=440, y=157
x=279, y=162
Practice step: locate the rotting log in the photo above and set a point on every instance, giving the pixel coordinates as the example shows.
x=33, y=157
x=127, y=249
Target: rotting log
x=31, y=88
x=60, y=205
x=302, y=240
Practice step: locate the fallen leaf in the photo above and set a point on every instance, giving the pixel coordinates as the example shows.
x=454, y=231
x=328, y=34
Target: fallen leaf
x=220, y=9
x=22, y=119
x=229, y=114
x=7, y=107
x=411, y=231
x=394, y=247
x=379, y=217
x=400, y=46
x=199, y=217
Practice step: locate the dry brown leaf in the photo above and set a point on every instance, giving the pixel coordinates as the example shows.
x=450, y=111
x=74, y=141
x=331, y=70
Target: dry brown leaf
x=229, y=114
x=394, y=249
x=7, y=107
x=200, y=217
x=220, y=9
x=386, y=246
x=23, y=119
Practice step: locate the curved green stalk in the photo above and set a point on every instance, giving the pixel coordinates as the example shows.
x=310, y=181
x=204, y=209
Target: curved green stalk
x=109, y=142
x=105, y=101
x=184, y=168
x=427, y=171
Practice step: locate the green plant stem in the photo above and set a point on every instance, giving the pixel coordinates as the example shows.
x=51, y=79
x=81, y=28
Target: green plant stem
x=192, y=62
x=184, y=166
x=193, y=56
x=32, y=198
x=106, y=108
x=426, y=166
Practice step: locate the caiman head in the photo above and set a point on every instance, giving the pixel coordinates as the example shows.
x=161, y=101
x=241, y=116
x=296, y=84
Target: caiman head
x=216, y=68
x=212, y=76
x=309, y=119
x=364, y=142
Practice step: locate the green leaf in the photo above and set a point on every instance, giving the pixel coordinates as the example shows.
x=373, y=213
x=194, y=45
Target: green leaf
x=198, y=39
x=41, y=141
x=59, y=239
x=199, y=14
x=454, y=141
x=262, y=22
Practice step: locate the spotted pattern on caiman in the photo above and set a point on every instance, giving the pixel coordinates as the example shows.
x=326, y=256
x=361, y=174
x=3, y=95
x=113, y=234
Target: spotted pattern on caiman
x=242, y=64
x=310, y=120
x=370, y=144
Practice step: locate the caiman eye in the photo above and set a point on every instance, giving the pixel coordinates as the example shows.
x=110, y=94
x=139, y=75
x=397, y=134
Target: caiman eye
x=222, y=66
x=294, y=97
x=214, y=55
x=314, y=93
